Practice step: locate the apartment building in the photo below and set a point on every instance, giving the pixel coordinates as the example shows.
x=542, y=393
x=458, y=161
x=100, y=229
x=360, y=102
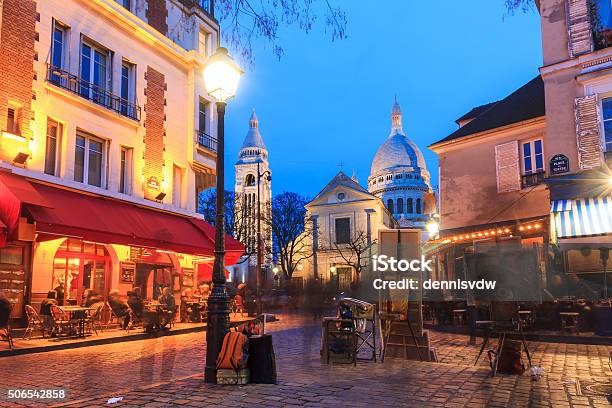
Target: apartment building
x=107, y=135
x=542, y=178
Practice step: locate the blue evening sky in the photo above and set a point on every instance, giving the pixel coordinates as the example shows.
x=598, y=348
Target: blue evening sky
x=328, y=102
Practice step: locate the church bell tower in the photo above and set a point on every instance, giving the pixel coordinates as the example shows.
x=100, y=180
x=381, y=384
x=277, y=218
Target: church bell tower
x=253, y=158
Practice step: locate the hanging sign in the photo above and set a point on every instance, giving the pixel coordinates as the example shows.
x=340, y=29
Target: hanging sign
x=559, y=164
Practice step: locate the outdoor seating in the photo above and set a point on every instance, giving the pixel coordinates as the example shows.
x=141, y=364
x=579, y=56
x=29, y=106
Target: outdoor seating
x=35, y=322
x=61, y=322
x=569, y=322
x=505, y=321
x=93, y=318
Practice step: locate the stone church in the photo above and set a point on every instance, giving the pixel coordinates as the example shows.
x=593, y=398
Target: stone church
x=344, y=213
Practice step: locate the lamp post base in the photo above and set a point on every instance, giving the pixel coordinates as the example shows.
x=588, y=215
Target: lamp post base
x=217, y=327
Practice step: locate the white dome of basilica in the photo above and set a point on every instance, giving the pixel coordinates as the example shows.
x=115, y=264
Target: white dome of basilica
x=398, y=150
x=399, y=176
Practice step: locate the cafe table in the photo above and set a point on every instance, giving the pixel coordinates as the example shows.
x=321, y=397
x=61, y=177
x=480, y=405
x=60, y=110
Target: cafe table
x=78, y=313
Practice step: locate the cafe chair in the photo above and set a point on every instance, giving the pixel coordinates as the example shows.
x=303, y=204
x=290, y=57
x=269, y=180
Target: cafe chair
x=61, y=323
x=35, y=322
x=93, y=319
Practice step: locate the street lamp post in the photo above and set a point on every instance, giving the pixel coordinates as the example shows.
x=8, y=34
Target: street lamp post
x=259, y=243
x=221, y=77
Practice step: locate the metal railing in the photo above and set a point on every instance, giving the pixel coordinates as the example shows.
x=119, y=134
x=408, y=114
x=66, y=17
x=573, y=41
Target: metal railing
x=533, y=179
x=207, y=141
x=78, y=86
x=205, y=5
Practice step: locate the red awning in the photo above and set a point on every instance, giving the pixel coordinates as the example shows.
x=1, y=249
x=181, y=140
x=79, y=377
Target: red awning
x=109, y=221
x=205, y=271
x=15, y=190
x=3, y=233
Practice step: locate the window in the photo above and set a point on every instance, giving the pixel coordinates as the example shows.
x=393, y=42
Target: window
x=177, y=186
x=607, y=123
x=54, y=133
x=409, y=208
x=203, y=115
x=250, y=180
x=12, y=120
x=390, y=205
x=532, y=163
x=343, y=230
x=125, y=175
x=205, y=40
x=418, y=205
x=533, y=157
x=602, y=22
x=95, y=71
x=341, y=196
x=58, y=45
x=400, y=205
x=126, y=3
x=89, y=160
x=127, y=88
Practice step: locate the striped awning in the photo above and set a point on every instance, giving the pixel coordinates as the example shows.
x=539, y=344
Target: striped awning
x=582, y=217
x=561, y=205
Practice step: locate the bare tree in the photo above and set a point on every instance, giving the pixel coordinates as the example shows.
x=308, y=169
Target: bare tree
x=291, y=235
x=355, y=252
x=524, y=6
x=235, y=216
x=243, y=21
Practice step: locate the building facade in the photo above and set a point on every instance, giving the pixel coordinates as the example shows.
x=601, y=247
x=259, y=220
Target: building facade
x=253, y=160
x=345, y=221
x=577, y=74
x=542, y=177
x=399, y=177
x=103, y=106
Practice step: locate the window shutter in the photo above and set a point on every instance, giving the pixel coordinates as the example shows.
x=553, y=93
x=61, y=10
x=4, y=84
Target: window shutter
x=507, y=166
x=579, y=27
x=588, y=132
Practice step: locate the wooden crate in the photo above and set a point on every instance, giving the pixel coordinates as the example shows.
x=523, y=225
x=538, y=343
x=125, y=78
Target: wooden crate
x=231, y=377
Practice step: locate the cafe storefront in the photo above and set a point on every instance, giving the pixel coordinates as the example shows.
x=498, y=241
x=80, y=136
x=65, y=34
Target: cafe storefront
x=71, y=241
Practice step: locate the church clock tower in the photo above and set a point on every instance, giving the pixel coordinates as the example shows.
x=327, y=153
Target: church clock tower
x=253, y=157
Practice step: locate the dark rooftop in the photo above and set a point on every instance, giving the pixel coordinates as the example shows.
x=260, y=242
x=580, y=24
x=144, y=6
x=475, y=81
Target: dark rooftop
x=475, y=112
x=525, y=103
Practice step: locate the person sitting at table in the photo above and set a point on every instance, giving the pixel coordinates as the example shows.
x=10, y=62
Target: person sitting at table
x=45, y=311
x=167, y=302
x=5, y=315
x=135, y=301
x=90, y=297
x=119, y=307
x=185, y=307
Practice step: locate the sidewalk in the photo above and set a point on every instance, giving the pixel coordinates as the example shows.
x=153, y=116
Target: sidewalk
x=108, y=336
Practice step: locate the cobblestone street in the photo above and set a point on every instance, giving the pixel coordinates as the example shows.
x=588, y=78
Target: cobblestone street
x=167, y=371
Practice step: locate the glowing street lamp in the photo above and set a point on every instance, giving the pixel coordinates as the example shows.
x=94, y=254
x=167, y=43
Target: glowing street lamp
x=221, y=77
x=433, y=227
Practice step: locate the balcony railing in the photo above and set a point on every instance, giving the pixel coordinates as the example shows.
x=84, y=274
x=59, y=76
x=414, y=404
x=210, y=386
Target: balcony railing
x=532, y=179
x=91, y=92
x=206, y=141
x=206, y=5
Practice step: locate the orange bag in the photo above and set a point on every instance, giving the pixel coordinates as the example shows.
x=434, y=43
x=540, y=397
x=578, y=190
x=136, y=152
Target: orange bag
x=234, y=352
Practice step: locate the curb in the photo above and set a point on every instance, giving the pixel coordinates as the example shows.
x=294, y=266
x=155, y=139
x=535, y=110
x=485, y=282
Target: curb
x=98, y=342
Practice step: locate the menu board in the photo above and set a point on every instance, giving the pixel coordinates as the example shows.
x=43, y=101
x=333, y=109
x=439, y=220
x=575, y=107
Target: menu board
x=188, y=276
x=128, y=270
